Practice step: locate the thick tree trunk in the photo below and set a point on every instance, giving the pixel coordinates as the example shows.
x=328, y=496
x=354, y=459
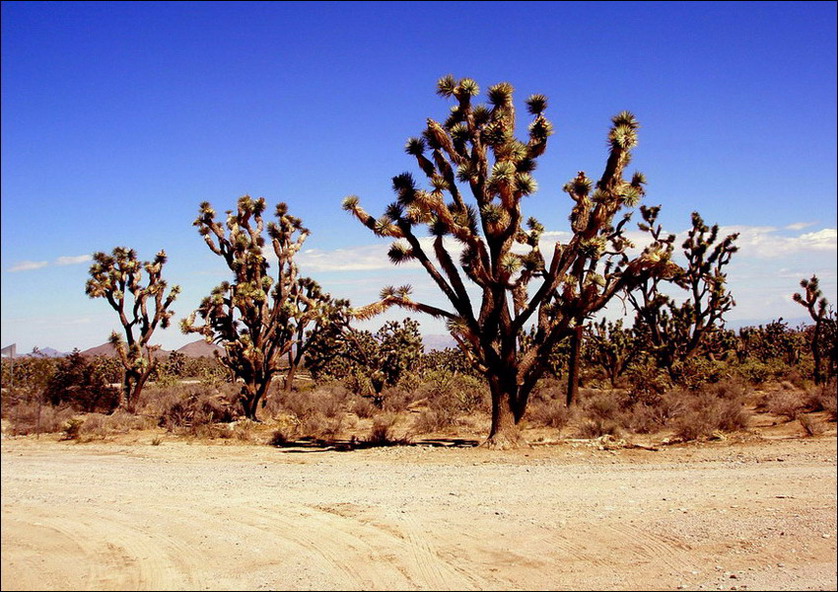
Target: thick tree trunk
x=816, y=353
x=504, y=433
x=251, y=394
x=289, y=377
x=573, y=365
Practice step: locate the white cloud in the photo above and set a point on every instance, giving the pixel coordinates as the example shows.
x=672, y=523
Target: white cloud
x=766, y=241
x=28, y=265
x=762, y=242
x=72, y=260
x=799, y=225
x=362, y=258
x=63, y=260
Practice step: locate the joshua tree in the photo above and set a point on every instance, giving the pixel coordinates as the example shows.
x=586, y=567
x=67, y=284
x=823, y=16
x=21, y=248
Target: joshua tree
x=381, y=359
x=612, y=347
x=814, y=301
x=676, y=332
x=119, y=279
x=258, y=318
x=475, y=151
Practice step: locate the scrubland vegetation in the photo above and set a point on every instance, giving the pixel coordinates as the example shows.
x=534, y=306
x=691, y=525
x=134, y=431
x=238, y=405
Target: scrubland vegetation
x=533, y=362
x=436, y=397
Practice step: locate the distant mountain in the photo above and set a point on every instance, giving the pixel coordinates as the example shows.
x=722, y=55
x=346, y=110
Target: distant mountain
x=45, y=352
x=432, y=342
x=200, y=349
x=108, y=350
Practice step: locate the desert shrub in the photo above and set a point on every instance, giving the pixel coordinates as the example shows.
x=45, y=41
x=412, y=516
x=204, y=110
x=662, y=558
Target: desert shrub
x=549, y=389
x=822, y=398
x=72, y=429
x=728, y=388
x=448, y=395
x=551, y=414
x=431, y=421
x=396, y=399
x=754, y=371
x=30, y=373
x=594, y=427
x=811, y=425
x=243, y=430
x=695, y=372
x=784, y=403
x=363, y=407
x=703, y=414
x=642, y=418
x=279, y=438
x=77, y=382
x=647, y=382
x=330, y=400
x=32, y=417
x=319, y=427
x=600, y=404
x=109, y=368
x=195, y=409
x=382, y=433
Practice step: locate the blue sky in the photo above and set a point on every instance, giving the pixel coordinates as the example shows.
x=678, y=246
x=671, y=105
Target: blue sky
x=118, y=119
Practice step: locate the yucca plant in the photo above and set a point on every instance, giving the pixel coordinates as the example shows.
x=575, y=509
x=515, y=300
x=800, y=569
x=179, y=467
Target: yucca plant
x=478, y=174
x=822, y=340
x=136, y=290
x=258, y=317
x=674, y=332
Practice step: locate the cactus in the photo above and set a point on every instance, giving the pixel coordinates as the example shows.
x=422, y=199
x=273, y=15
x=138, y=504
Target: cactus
x=822, y=337
x=475, y=153
x=118, y=278
x=258, y=318
x=676, y=332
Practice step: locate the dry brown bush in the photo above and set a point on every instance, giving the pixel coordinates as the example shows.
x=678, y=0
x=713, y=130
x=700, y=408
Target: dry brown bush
x=382, y=431
x=784, y=403
x=594, y=427
x=550, y=414
x=30, y=417
x=812, y=426
x=363, y=407
x=707, y=414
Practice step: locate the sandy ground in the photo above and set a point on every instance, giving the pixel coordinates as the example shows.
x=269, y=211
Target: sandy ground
x=753, y=514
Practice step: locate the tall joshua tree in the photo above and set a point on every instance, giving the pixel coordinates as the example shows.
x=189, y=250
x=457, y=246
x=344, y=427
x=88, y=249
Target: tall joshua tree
x=675, y=332
x=258, y=318
x=815, y=302
x=475, y=151
x=118, y=278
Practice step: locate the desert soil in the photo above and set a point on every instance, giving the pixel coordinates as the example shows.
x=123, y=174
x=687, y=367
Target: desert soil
x=740, y=514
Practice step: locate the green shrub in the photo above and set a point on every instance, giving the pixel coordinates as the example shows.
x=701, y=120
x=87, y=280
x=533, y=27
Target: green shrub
x=80, y=383
x=695, y=372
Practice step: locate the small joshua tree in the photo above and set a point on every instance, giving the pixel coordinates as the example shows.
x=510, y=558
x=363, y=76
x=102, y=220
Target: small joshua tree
x=257, y=318
x=612, y=347
x=676, y=332
x=118, y=278
x=381, y=359
x=475, y=152
x=815, y=302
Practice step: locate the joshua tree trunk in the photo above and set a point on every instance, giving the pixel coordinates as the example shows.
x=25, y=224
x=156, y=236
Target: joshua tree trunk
x=504, y=432
x=251, y=394
x=573, y=365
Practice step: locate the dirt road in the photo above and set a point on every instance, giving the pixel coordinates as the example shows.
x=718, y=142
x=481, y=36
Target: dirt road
x=105, y=516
